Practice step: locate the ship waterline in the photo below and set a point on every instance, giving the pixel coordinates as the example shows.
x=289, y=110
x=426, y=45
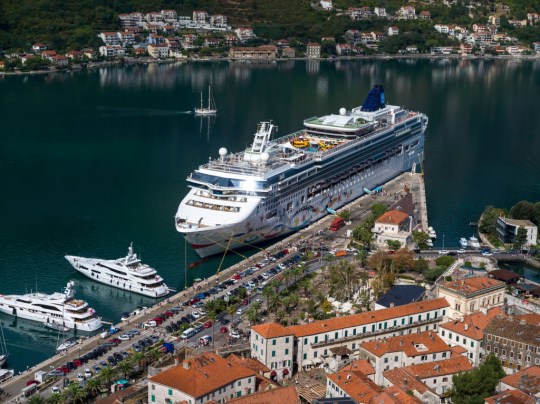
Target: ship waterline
x=279, y=186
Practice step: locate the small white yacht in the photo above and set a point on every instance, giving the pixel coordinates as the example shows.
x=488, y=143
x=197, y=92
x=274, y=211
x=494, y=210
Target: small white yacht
x=6, y=374
x=429, y=243
x=473, y=242
x=431, y=232
x=126, y=273
x=60, y=308
x=211, y=109
x=68, y=343
x=463, y=242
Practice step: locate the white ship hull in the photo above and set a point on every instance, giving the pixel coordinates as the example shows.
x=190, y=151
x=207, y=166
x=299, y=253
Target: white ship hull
x=23, y=312
x=89, y=268
x=211, y=241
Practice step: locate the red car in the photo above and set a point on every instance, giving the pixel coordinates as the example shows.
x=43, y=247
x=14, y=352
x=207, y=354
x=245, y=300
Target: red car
x=169, y=313
x=208, y=324
x=30, y=382
x=158, y=320
x=77, y=363
x=115, y=341
x=64, y=369
x=245, y=302
x=193, y=301
x=224, y=330
x=237, y=277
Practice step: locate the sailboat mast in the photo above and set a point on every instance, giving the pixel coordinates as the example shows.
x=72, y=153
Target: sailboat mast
x=209, y=105
x=201, y=101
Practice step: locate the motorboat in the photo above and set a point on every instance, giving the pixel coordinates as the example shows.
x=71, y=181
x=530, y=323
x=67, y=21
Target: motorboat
x=473, y=242
x=68, y=343
x=6, y=374
x=431, y=233
x=463, y=242
x=60, y=308
x=127, y=273
x=429, y=243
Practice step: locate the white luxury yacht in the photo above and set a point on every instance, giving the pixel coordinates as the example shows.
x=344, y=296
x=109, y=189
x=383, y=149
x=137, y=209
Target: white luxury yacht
x=59, y=308
x=126, y=273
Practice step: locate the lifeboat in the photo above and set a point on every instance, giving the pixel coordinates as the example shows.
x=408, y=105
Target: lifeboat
x=300, y=143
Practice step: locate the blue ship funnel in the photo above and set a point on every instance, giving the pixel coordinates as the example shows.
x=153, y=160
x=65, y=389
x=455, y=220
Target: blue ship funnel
x=375, y=99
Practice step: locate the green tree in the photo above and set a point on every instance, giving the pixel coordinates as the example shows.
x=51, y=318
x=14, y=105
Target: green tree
x=107, y=376
x=92, y=386
x=403, y=260
x=393, y=245
x=377, y=210
x=444, y=261
x=344, y=280
x=523, y=210
x=420, y=238
x=126, y=367
x=474, y=386
x=488, y=221
x=363, y=235
x=55, y=398
x=74, y=393
x=326, y=306
x=37, y=399
x=345, y=215
x=421, y=265
x=138, y=360
x=521, y=238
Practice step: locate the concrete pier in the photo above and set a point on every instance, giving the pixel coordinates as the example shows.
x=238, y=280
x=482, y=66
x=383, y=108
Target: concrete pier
x=359, y=209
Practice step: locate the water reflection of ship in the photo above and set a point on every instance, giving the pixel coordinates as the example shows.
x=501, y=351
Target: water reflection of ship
x=210, y=120
x=30, y=329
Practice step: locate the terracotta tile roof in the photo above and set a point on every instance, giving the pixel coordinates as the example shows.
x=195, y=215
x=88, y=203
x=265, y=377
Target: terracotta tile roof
x=356, y=385
x=513, y=329
x=395, y=395
x=529, y=373
x=398, y=377
x=422, y=343
x=249, y=363
x=471, y=285
x=473, y=325
x=369, y=317
x=393, y=217
x=271, y=330
x=511, y=397
x=532, y=318
x=206, y=373
x=458, y=350
x=450, y=366
x=362, y=365
x=284, y=395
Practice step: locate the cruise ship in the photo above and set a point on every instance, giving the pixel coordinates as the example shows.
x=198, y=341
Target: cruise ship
x=57, y=308
x=127, y=273
x=280, y=185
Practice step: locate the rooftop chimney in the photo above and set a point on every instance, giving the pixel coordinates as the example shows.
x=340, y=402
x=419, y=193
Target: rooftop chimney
x=466, y=327
x=186, y=364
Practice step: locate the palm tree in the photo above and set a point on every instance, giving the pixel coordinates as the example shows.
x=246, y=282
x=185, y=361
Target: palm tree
x=125, y=367
x=55, y=398
x=37, y=399
x=74, y=393
x=153, y=355
x=268, y=293
x=212, y=316
x=107, y=375
x=93, y=386
x=138, y=359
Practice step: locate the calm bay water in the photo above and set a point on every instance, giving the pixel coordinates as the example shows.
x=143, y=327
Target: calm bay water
x=91, y=161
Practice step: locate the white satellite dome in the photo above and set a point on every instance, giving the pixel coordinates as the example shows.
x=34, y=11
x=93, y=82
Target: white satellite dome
x=342, y=111
x=222, y=152
x=265, y=157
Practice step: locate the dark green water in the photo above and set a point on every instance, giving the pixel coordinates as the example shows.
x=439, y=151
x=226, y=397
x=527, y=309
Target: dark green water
x=93, y=160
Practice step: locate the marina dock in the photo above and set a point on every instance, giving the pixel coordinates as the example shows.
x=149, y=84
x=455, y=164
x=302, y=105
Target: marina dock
x=359, y=208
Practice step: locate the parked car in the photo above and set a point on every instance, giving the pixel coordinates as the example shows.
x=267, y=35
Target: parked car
x=223, y=330
x=208, y=324
x=55, y=390
x=234, y=334
x=124, y=337
x=240, y=312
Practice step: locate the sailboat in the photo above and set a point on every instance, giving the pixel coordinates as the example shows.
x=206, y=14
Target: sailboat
x=211, y=109
x=3, y=348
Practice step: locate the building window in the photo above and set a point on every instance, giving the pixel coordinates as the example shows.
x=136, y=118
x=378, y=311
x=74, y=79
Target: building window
x=170, y=392
x=336, y=335
x=424, y=358
x=305, y=356
x=457, y=338
x=305, y=341
x=153, y=387
x=472, y=344
x=444, y=312
x=153, y=398
x=273, y=342
x=287, y=340
x=395, y=359
x=443, y=333
x=286, y=351
x=354, y=332
x=239, y=383
x=503, y=352
x=450, y=335
x=385, y=360
x=445, y=379
x=444, y=355
x=314, y=354
x=316, y=339
x=273, y=353
x=354, y=346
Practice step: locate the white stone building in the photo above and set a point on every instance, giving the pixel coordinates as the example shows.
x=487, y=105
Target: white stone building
x=272, y=345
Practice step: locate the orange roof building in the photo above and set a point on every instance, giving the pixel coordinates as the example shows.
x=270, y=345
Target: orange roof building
x=468, y=332
x=427, y=378
x=283, y=395
x=469, y=295
x=393, y=217
x=511, y=397
x=404, y=350
x=275, y=346
x=527, y=380
x=207, y=375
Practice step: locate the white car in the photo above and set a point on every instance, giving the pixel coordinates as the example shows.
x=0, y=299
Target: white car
x=196, y=315
x=80, y=377
x=87, y=373
x=124, y=337
x=487, y=254
x=234, y=334
x=461, y=251
x=259, y=301
x=55, y=390
x=443, y=252
x=240, y=311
